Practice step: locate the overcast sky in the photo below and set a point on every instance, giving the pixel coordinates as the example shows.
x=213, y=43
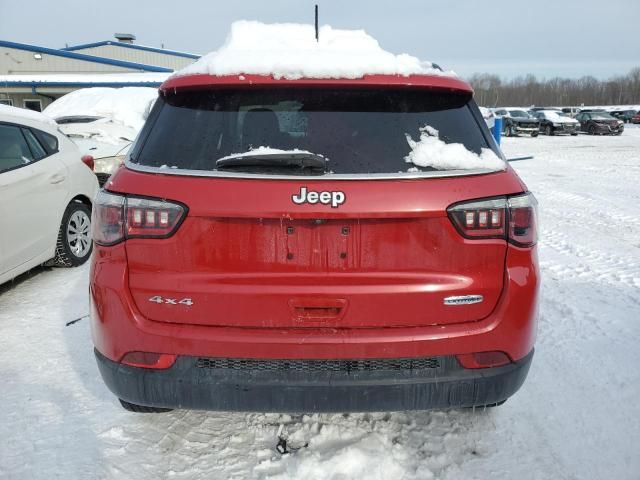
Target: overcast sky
x=547, y=38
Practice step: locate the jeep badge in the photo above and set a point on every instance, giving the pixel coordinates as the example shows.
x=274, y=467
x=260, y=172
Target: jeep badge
x=335, y=199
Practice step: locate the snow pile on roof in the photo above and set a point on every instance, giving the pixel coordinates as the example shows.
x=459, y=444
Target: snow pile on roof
x=128, y=106
x=20, y=113
x=290, y=51
x=430, y=151
x=102, y=130
x=558, y=117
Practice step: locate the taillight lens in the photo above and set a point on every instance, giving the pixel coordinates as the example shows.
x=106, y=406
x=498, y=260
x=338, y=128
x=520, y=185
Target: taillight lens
x=107, y=219
x=523, y=213
x=116, y=218
x=510, y=218
x=88, y=161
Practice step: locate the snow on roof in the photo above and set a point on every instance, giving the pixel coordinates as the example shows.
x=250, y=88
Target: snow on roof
x=84, y=78
x=128, y=105
x=290, y=51
x=556, y=116
x=23, y=113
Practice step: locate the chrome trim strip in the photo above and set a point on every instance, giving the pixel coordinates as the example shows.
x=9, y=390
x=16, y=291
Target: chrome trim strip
x=464, y=300
x=327, y=177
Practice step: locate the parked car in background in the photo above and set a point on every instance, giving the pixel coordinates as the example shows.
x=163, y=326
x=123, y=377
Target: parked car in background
x=103, y=122
x=624, y=115
x=554, y=122
x=600, y=123
x=46, y=195
x=571, y=111
x=103, y=139
x=636, y=118
x=516, y=121
x=348, y=240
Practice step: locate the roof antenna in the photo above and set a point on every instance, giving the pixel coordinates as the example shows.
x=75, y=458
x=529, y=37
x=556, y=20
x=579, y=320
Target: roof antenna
x=317, y=40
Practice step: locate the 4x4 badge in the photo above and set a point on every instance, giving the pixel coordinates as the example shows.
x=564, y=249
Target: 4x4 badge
x=335, y=199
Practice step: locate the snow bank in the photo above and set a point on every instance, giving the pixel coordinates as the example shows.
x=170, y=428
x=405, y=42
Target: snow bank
x=430, y=151
x=290, y=51
x=128, y=106
x=25, y=113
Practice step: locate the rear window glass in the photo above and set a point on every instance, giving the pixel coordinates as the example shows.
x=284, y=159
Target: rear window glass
x=35, y=147
x=14, y=150
x=48, y=141
x=358, y=131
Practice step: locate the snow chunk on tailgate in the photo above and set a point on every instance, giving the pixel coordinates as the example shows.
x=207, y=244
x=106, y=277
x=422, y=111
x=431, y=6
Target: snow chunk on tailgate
x=432, y=152
x=290, y=51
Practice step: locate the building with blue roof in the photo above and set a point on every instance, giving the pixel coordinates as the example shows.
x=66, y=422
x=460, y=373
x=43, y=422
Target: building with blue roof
x=32, y=76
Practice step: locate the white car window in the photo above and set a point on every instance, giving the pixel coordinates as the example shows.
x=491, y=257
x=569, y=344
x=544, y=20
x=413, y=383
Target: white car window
x=14, y=151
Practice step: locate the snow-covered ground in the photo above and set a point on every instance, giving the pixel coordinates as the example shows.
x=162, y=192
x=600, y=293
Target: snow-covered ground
x=577, y=416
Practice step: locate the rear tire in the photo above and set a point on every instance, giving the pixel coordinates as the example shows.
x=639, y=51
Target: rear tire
x=592, y=130
x=534, y=134
x=132, y=407
x=548, y=130
x=74, y=244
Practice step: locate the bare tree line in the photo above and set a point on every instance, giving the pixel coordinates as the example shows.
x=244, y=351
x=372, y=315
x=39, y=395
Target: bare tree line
x=524, y=91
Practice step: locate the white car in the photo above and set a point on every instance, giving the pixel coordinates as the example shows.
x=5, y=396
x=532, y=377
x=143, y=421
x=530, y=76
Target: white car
x=46, y=193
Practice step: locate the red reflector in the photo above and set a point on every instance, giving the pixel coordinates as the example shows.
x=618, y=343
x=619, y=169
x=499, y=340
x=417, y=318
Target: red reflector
x=149, y=360
x=484, y=359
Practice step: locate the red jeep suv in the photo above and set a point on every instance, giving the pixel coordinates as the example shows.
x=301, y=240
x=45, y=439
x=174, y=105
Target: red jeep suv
x=314, y=245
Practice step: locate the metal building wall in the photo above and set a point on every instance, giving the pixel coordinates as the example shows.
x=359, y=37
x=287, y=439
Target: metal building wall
x=116, y=52
x=15, y=61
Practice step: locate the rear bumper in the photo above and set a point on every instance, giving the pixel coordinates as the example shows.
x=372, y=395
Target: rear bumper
x=526, y=129
x=314, y=386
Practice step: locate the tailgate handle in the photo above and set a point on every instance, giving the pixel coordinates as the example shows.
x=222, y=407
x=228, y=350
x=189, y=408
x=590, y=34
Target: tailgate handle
x=317, y=308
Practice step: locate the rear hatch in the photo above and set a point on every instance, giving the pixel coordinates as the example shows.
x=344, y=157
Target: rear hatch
x=364, y=241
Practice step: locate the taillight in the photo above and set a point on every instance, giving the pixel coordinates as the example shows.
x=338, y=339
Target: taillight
x=510, y=218
x=88, y=161
x=116, y=218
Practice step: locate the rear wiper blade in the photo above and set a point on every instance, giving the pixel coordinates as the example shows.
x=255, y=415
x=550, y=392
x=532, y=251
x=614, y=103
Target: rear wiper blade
x=283, y=159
